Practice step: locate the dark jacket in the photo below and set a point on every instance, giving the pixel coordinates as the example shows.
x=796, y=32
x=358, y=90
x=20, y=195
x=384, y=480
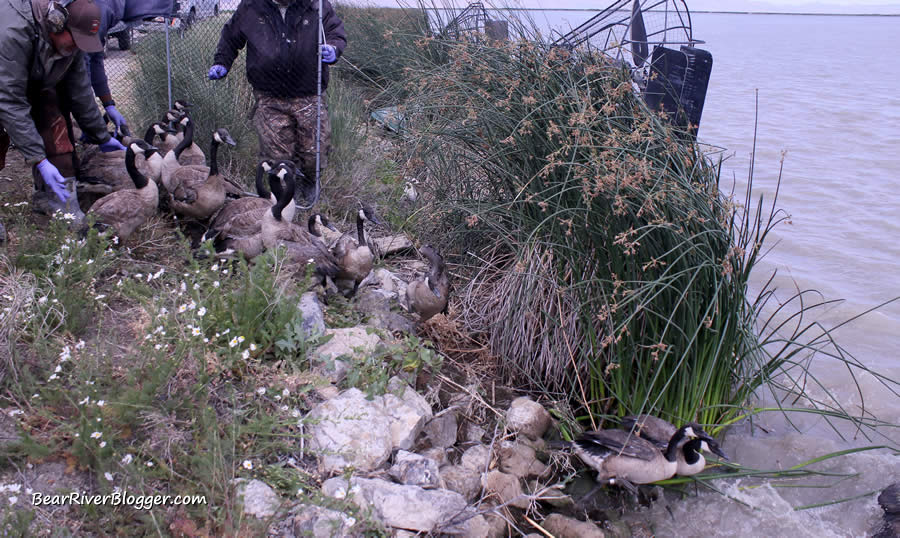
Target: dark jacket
x=27, y=62
x=281, y=53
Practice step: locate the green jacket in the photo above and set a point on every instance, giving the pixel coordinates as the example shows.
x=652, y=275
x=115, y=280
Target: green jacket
x=27, y=60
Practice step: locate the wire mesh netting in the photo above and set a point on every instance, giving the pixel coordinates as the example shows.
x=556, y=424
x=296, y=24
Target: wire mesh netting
x=144, y=87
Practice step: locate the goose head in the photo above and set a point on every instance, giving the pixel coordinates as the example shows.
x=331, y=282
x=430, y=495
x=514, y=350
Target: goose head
x=366, y=213
x=181, y=104
x=315, y=221
x=141, y=147
x=282, y=172
x=222, y=136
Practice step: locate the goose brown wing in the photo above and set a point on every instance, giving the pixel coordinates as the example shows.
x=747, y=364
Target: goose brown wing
x=238, y=216
x=653, y=429
x=117, y=206
x=618, y=442
x=345, y=244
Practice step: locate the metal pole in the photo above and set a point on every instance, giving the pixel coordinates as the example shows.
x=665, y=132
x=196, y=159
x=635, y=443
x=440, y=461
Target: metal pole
x=168, y=21
x=321, y=40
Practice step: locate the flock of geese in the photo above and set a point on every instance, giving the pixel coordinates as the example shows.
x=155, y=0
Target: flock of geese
x=174, y=175
x=166, y=170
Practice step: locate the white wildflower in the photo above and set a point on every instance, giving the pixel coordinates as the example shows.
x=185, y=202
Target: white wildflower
x=35, y=395
x=13, y=500
x=247, y=465
x=159, y=273
x=108, y=475
x=196, y=286
x=216, y=284
x=295, y=413
x=261, y=390
x=233, y=342
x=138, y=275
x=115, y=240
x=240, y=339
x=96, y=435
x=192, y=305
x=52, y=377
x=127, y=459
x=224, y=271
x=89, y=261
x=252, y=346
x=183, y=286
x=182, y=308
x=195, y=331
x=65, y=354
x=119, y=283
x=246, y=354
x=101, y=403
x=102, y=444
x=202, y=311
x=206, y=340
x=158, y=329
x=284, y=408
x=15, y=412
x=215, y=267
x=42, y=300
x=226, y=331
x=163, y=311
x=58, y=369
x=149, y=464
x=80, y=344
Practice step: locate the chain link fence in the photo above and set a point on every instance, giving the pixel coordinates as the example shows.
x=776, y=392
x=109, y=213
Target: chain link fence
x=151, y=65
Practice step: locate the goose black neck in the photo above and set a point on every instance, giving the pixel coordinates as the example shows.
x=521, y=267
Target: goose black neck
x=149, y=134
x=213, y=156
x=187, y=140
x=311, y=225
x=691, y=451
x=672, y=449
x=140, y=180
x=260, y=184
x=360, y=230
x=286, y=195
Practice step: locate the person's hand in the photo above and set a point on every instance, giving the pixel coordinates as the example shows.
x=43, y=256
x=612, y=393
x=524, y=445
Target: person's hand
x=111, y=145
x=329, y=54
x=117, y=118
x=217, y=71
x=53, y=179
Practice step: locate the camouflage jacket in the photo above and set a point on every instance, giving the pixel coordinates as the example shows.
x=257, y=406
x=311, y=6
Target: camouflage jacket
x=28, y=62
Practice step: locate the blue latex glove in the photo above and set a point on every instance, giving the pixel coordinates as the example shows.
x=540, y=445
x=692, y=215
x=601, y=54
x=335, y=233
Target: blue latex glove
x=116, y=117
x=111, y=145
x=53, y=179
x=329, y=54
x=217, y=71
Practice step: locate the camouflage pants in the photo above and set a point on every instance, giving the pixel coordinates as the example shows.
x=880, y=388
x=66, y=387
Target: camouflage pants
x=287, y=130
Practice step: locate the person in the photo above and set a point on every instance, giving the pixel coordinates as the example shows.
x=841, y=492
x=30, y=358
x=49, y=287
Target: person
x=42, y=82
x=282, y=54
x=111, y=13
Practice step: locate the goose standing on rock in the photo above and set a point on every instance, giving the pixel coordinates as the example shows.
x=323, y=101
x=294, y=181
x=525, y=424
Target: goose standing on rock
x=303, y=245
x=429, y=295
x=127, y=209
x=197, y=191
x=354, y=256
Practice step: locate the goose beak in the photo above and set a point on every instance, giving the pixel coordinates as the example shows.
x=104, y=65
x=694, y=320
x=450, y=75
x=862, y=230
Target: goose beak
x=331, y=227
x=714, y=447
x=230, y=141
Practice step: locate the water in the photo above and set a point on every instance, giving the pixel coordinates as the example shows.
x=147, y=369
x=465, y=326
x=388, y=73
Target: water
x=827, y=96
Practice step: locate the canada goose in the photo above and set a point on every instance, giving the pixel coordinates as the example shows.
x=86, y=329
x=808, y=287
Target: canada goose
x=622, y=457
x=303, y=245
x=354, y=255
x=127, y=209
x=190, y=154
x=197, y=191
x=238, y=224
x=429, y=295
x=658, y=431
x=102, y=173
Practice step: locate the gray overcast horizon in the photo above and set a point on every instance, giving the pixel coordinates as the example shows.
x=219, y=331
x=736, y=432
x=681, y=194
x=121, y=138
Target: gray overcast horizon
x=882, y=7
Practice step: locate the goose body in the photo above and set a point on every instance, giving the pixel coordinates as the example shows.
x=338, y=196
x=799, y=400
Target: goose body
x=238, y=225
x=618, y=455
x=429, y=295
x=127, y=209
x=354, y=256
x=301, y=244
x=196, y=191
x=690, y=452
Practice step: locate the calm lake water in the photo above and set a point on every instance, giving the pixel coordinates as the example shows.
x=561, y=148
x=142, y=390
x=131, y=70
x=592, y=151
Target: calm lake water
x=828, y=97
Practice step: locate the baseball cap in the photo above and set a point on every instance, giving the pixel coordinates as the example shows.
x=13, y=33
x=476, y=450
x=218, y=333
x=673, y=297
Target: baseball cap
x=84, y=24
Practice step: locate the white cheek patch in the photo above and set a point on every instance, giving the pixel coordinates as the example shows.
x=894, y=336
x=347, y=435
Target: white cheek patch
x=689, y=432
x=137, y=149
x=704, y=446
x=362, y=214
x=218, y=138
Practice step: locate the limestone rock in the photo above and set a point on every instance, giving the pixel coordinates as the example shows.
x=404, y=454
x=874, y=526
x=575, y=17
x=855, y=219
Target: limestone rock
x=438, y=455
x=313, y=317
x=441, y=430
x=519, y=460
x=350, y=430
x=415, y=470
x=408, y=413
x=527, y=417
x=320, y=522
x=506, y=488
x=476, y=458
x=404, y=507
x=257, y=498
x=331, y=357
x=392, y=244
x=566, y=527
x=462, y=480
